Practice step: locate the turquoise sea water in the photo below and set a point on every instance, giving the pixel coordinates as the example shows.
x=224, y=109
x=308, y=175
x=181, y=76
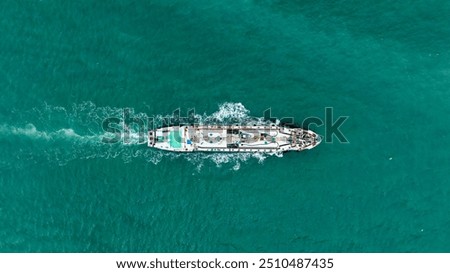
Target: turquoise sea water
x=67, y=65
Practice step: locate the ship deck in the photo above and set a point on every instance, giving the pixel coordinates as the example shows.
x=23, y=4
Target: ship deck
x=228, y=139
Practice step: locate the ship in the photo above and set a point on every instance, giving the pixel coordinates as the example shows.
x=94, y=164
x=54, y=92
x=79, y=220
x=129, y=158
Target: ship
x=236, y=138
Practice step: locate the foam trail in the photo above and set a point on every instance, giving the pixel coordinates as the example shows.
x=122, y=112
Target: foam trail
x=231, y=111
x=31, y=132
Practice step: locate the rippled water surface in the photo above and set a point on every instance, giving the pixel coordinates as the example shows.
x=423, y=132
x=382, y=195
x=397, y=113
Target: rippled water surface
x=65, y=66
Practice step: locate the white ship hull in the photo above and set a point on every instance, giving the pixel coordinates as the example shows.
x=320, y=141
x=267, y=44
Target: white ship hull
x=233, y=138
